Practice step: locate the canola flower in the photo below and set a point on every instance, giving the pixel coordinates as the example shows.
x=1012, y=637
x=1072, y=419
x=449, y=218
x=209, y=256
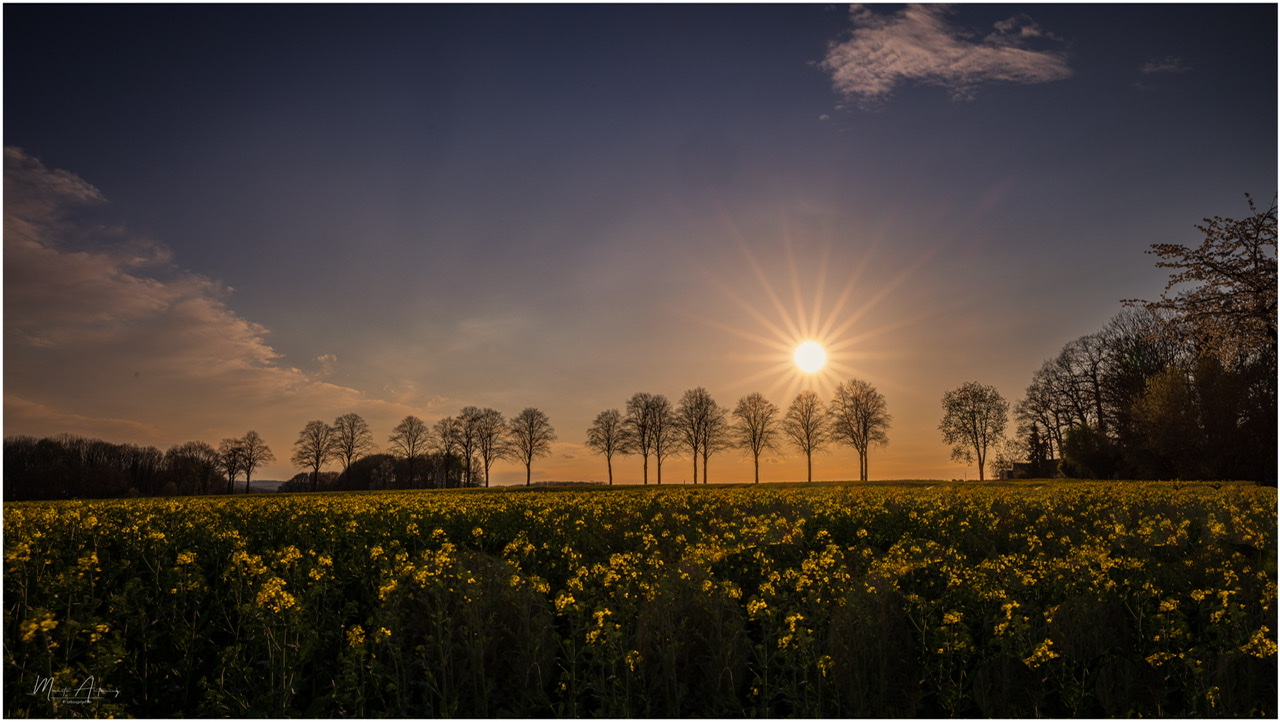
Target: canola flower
x=783, y=584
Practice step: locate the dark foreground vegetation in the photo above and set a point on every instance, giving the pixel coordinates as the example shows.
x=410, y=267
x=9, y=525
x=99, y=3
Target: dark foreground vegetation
x=1017, y=599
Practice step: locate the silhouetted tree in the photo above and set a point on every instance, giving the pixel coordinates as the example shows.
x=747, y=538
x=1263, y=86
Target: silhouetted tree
x=640, y=427
x=352, y=439
x=375, y=471
x=608, y=436
x=491, y=438
x=531, y=437
x=1230, y=308
x=468, y=435
x=691, y=416
x=313, y=449
x=702, y=426
x=409, y=441
x=662, y=421
x=231, y=456
x=974, y=418
x=756, y=427
x=1037, y=452
x=448, y=441
x=193, y=466
x=860, y=417
x=254, y=453
x=806, y=424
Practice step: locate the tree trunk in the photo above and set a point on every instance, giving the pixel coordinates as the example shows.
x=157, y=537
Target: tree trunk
x=757, y=458
x=528, y=475
x=808, y=455
x=609, y=460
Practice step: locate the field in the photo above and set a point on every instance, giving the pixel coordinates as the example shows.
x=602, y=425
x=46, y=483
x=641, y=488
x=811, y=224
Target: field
x=931, y=599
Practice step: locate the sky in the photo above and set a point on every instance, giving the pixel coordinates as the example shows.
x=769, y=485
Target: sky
x=220, y=218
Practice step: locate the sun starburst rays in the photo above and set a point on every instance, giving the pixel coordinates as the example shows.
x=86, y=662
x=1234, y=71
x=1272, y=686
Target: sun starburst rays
x=792, y=301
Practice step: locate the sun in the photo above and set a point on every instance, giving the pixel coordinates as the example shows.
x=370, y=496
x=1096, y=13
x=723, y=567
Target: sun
x=810, y=357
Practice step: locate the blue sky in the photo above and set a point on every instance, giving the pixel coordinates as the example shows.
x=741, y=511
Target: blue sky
x=220, y=218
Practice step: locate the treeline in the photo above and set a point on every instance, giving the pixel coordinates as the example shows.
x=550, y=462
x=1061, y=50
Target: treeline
x=457, y=451
x=1180, y=387
x=67, y=466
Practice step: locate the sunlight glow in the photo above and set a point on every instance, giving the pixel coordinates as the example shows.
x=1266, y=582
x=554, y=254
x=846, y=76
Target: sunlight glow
x=810, y=357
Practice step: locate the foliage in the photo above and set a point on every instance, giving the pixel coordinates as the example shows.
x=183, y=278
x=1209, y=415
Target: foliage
x=1059, y=599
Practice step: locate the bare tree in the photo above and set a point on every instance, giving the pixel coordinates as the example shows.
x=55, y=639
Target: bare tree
x=468, y=438
x=662, y=421
x=231, y=457
x=409, y=441
x=756, y=427
x=608, y=436
x=1230, y=308
x=806, y=425
x=690, y=419
x=448, y=441
x=254, y=453
x=352, y=439
x=491, y=438
x=639, y=424
x=974, y=419
x=531, y=437
x=313, y=449
x=860, y=418
x=702, y=427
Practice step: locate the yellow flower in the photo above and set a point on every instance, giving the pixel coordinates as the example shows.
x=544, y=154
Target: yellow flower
x=186, y=558
x=563, y=601
x=386, y=589
x=355, y=636
x=1043, y=654
x=1260, y=645
x=273, y=596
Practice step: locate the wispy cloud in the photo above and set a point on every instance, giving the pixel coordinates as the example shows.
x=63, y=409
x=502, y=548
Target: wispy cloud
x=920, y=44
x=105, y=336
x=1169, y=64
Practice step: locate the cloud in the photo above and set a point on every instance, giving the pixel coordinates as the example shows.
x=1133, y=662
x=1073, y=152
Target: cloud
x=919, y=44
x=105, y=336
x=1168, y=64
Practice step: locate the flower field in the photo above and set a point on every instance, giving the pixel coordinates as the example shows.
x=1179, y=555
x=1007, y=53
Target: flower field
x=1026, y=599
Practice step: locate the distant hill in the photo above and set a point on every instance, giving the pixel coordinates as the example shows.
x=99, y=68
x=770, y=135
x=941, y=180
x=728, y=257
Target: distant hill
x=259, y=487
